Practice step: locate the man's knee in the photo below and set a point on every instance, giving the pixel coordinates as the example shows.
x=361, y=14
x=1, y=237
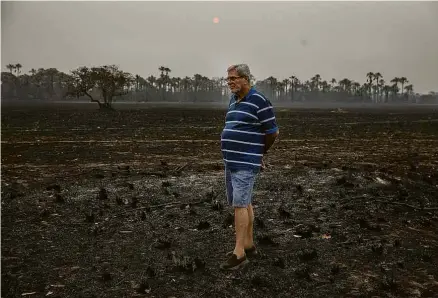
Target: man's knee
x=241, y=201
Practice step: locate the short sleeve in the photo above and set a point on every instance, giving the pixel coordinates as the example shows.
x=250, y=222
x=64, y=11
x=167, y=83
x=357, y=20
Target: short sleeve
x=266, y=116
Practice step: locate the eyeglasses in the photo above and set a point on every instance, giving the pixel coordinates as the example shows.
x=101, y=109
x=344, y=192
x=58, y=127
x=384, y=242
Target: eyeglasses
x=232, y=79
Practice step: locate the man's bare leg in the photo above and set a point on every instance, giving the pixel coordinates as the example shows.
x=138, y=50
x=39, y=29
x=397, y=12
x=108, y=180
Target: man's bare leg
x=241, y=226
x=249, y=240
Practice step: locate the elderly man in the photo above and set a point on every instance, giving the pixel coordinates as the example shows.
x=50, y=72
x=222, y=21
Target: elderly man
x=250, y=130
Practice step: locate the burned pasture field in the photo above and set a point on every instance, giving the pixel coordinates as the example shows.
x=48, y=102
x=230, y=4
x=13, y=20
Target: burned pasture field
x=132, y=204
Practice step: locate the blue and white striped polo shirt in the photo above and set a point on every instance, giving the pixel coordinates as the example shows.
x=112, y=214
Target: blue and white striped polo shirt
x=243, y=137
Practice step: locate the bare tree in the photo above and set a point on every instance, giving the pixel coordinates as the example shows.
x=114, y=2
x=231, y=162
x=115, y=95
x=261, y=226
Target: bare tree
x=108, y=79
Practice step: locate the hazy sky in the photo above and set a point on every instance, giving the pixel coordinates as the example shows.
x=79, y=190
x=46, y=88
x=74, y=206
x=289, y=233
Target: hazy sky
x=334, y=39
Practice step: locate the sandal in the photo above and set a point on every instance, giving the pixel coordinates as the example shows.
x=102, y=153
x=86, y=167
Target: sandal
x=250, y=252
x=233, y=263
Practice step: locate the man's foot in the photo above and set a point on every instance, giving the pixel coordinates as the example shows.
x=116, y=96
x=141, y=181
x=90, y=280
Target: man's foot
x=249, y=252
x=233, y=263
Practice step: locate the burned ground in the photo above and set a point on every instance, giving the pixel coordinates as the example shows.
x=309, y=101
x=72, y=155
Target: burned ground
x=132, y=203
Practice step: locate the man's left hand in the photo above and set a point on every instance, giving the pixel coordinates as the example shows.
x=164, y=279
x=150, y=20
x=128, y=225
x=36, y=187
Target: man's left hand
x=263, y=165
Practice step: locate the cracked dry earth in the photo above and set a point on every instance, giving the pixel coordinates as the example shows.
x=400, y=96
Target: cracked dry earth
x=132, y=204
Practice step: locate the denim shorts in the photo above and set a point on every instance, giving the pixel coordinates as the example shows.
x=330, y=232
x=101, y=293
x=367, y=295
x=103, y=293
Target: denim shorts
x=240, y=185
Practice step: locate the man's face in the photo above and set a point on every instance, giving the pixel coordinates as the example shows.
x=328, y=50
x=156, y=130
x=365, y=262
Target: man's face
x=235, y=82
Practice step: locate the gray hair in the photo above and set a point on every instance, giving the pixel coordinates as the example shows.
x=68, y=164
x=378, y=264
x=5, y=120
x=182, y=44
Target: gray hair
x=242, y=70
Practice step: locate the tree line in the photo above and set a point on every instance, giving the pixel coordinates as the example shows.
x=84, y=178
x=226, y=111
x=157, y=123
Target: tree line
x=108, y=83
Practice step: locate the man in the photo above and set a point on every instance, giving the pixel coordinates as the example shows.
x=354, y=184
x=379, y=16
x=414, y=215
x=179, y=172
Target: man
x=250, y=130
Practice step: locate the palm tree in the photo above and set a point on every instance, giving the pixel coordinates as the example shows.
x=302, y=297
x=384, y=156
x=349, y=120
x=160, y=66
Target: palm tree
x=187, y=83
x=167, y=70
x=345, y=85
x=197, y=82
x=223, y=86
x=33, y=71
x=187, y=87
x=152, y=81
x=386, y=89
x=380, y=88
x=409, y=88
x=402, y=81
x=281, y=86
x=50, y=74
x=325, y=86
x=137, y=83
x=177, y=83
x=356, y=88
x=377, y=76
x=18, y=66
x=370, y=78
x=315, y=81
x=294, y=82
x=272, y=83
x=162, y=69
x=286, y=83
x=305, y=87
x=332, y=82
x=395, y=81
x=394, y=87
x=166, y=79
x=143, y=83
x=11, y=67
x=162, y=81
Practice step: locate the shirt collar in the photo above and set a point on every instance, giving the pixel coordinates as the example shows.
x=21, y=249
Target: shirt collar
x=251, y=92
